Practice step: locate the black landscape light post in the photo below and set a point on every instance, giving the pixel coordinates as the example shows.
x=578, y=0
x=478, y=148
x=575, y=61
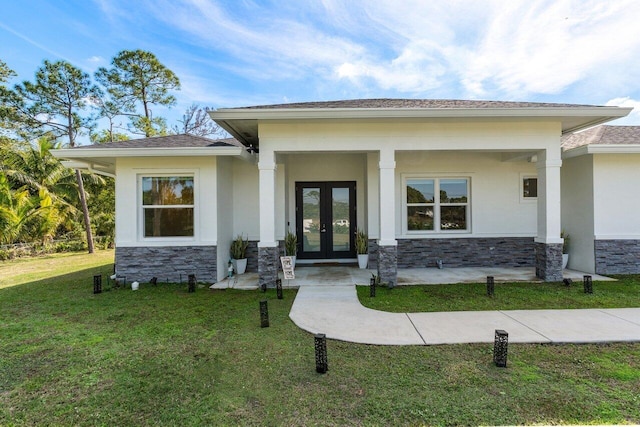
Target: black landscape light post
x=320, y=341
x=192, y=283
x=490, y=286
x=372, y=287
x=264, y=314
x=279, y=288
x=500, y=346
x=97, y=284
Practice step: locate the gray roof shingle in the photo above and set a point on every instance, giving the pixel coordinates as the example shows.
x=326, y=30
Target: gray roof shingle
x=412, y=103
x=169, y=141
x=603, y=135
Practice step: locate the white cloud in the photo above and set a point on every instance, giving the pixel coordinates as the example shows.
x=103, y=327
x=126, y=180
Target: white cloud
x=416, y=69
x=627, y=102
x=273, y=43
x=515, y=48
x=497, y=49
x=544, y=47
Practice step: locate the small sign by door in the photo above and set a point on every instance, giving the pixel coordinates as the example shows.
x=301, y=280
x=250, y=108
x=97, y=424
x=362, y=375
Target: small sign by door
x=287, y=267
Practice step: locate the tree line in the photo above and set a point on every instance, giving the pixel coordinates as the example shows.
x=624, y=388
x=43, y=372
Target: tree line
x=40, y=199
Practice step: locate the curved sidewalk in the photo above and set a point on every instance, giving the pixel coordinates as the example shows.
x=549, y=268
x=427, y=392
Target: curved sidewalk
x=337, y=312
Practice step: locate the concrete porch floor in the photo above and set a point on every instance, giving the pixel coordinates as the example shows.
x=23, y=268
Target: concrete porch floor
x=350, y=275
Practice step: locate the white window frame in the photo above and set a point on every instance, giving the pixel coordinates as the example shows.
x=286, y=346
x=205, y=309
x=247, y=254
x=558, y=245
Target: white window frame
x=436, y=205
x=523, y=199
x=141, y=207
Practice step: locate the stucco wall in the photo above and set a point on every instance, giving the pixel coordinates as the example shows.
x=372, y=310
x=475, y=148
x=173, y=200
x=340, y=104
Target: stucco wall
x=577, y=211
x=616, y=205
x=409, y=134
x=246, y=200
x=225, y=213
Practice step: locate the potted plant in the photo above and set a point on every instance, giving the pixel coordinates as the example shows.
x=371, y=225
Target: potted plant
x=565, y=249
x=362, y=248
x=238, y=252
x=291, y=246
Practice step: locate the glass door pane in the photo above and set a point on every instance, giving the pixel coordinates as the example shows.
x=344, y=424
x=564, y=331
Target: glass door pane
x=341, y=215
x=311, y=226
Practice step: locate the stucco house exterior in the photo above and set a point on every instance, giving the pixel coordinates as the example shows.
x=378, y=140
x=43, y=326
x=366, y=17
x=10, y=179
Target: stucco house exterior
x=601, y=198
x=470, y=183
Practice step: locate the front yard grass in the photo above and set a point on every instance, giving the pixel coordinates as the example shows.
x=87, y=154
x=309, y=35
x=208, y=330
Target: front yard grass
x=162, y=356
x=508, y=296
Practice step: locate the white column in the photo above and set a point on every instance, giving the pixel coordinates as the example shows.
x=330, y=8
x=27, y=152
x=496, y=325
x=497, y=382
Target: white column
x=267, y=169
x=387, y=198
x=549, y=207
x=373, y=196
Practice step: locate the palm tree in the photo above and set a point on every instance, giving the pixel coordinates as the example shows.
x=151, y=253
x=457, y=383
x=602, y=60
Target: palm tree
x=25, y=217
x=55, y=186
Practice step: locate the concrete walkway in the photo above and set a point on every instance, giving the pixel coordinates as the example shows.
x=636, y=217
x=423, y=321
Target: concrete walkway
x=335, y=310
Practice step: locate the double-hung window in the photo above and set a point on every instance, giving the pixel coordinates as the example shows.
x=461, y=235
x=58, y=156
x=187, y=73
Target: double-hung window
x=167, y=206
x=437, y=204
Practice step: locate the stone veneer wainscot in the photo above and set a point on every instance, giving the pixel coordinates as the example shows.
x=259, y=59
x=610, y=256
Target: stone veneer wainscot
x=617, y=256
x=167, y=263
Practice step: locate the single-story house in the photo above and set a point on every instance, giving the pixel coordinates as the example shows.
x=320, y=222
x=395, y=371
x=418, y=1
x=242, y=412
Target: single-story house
x=467, y=183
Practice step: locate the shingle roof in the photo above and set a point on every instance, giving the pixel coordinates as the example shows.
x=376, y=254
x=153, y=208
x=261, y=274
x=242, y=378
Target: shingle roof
x=169, y=141
x=413, y=103
x=603, y=135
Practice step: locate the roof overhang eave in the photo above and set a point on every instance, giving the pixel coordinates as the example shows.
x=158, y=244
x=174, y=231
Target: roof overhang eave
x=102, y=160
x=375, y=113
x=573, y=118
x=78, y=153
x=601, y=149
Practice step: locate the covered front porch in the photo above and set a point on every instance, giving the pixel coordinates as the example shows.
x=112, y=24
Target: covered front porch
x=462, y=206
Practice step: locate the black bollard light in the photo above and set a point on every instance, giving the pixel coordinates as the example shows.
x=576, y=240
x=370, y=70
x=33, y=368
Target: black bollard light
x=263, y=287
x=264, y=314
x=372, y=287
x=154, y=281
x=192, y=283
x=97, y=284
x=320, y=341
x=279, y=288
x=490, y=286
x=567, y=282
x=588, y=284
x=500, y=344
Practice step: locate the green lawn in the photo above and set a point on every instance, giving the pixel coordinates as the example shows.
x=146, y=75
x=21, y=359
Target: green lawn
x=162, y=356
x=507, y=296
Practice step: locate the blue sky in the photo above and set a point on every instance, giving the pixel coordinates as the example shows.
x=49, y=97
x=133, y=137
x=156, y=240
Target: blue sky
x=243, y=52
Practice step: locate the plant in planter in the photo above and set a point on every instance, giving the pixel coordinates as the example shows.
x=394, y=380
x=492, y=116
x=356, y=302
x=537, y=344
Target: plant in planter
x=238, y=252
x=565, y=249
x=362, y=248
x=291, y=246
